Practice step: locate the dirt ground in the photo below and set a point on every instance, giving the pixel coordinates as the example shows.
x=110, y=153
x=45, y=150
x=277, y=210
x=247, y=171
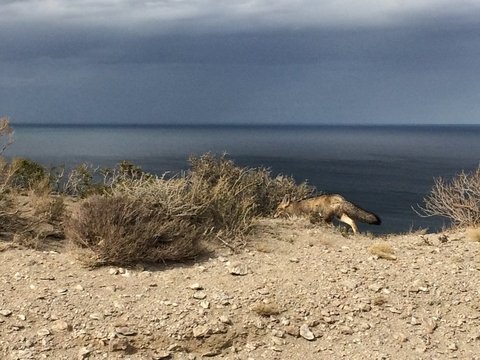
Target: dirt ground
x=297, y=292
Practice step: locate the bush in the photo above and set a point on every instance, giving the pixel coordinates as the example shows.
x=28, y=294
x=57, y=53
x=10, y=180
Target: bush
x=235, y=195
x=26, y=174
x=6, y=134
x=80, y=181
x=457, y=199
x=258, y=183
x=124, y=230
x=146, y=218
x=84, y=180
x=9, y=220
x=126, y=171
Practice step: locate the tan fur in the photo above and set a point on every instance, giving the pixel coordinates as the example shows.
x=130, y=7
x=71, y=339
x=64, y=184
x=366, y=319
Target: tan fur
x=328, y=207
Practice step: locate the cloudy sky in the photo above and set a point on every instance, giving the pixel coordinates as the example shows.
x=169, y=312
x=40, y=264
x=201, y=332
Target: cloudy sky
x=245, y=61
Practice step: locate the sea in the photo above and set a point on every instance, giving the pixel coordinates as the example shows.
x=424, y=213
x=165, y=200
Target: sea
x=385, y=169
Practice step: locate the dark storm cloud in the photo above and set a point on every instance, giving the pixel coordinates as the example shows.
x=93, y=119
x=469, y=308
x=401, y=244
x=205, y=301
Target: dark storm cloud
x=245, y=61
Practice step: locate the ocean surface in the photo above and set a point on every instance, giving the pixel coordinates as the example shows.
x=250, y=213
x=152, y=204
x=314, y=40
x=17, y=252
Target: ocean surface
x=385, y=169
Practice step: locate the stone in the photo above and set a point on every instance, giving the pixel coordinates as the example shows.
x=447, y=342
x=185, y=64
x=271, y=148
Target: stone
x=125, y=331
x=84, y=352
x=5, y=313
x=199, y=295
x=277, y=341
x=96, y=316
x=162, y=355
x=196, y=286
x=292, y=330
x=225, y=320
x=414, y=321
x=452, y=347
x=43, y=332
x=120, y=344
x=278, y=333
x=204, y=304
x=61, y=325
x=201, y=331
x=306, y=333
x=418, y=285
x=238, y=269
x=375, y=287
x=400, y=337
x=430, y=325
x=346, y=330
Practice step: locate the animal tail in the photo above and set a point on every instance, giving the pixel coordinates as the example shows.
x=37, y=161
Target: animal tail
x=358, y=213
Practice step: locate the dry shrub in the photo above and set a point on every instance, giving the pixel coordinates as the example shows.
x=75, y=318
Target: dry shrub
x=80, y=182
x=124, y=230
x=383, y=250
x=144, y=218
x=85, y=180
x=255, y=183
x=6, y=134
x=48, y=208
x=266, y=310
x=25, y=219
x=9, y=217
x=457, y=199
x=227, y=193
x=235, y=195
x=473, y=234
x=264, y=248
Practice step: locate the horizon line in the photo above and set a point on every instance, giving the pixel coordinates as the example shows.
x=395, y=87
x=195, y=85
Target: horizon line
x=207, y=124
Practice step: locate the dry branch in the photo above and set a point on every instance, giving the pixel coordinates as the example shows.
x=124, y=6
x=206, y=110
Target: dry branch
x=457, y=199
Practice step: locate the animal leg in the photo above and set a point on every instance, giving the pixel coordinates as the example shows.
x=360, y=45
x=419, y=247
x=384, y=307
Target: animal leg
x=349, y=221
x=328, y=217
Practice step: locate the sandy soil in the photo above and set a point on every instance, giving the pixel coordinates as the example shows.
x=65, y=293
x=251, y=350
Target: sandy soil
x=298, y=292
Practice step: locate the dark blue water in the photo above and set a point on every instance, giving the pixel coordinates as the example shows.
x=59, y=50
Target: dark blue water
x=385, y=169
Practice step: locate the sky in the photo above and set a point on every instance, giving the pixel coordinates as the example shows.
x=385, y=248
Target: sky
x=246, y=61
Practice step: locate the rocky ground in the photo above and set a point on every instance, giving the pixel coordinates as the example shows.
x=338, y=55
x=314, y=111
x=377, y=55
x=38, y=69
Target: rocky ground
x=298, y=292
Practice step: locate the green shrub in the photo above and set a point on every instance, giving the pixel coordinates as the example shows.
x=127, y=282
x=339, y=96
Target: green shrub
x=26, y=173
x=84, y=180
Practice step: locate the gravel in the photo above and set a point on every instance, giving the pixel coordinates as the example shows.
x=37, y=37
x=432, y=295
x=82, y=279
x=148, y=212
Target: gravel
x=332, y=299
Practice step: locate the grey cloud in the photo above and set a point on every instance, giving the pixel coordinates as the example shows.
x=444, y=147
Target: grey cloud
x=428, y=45
x=254, y=31
x=243, y=61
x=231, y=15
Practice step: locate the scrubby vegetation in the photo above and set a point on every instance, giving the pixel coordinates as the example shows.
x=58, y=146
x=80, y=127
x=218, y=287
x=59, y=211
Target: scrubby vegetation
x=457, y=199
x=383, y=250
x=124, y=230
x=148, y=218
x=124, y=215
